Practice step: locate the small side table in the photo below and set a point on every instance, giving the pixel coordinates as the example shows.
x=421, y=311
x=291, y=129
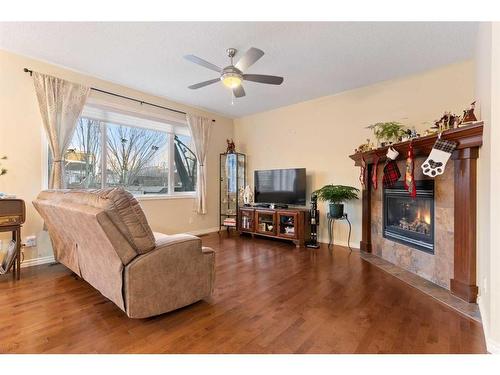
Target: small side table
x=12, y=217
x=331, y=221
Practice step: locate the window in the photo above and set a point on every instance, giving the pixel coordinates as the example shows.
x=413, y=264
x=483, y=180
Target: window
x=146, y=157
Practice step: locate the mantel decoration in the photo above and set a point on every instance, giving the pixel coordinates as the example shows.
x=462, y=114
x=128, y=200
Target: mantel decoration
x=336, y=195
x=439, y=156
x=391, y=170
x=409, y=172
x=388, y=132
x=392, y=133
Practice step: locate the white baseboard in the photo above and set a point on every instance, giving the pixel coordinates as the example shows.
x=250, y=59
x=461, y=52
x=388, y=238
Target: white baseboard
x=492, y=346
x=38, y=261
x=354, y=245
x=203, y=231
x=50, y=258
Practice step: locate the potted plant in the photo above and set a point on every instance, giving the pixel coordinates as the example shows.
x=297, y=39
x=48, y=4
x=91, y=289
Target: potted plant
x=387, y=132
x=336, y=195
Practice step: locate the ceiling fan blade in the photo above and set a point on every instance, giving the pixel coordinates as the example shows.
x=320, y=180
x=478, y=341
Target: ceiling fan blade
x=206, y=64
x=249, y=58
x=203, y=84
x=262, y=78
x=239, y=91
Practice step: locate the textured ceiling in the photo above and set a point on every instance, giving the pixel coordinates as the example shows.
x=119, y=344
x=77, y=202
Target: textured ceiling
x=315, y=58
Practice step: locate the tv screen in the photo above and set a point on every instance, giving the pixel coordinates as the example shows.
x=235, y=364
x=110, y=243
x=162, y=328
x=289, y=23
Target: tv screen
x=287, y=186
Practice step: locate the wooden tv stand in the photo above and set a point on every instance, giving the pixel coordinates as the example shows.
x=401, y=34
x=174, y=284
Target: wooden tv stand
x=287, y=223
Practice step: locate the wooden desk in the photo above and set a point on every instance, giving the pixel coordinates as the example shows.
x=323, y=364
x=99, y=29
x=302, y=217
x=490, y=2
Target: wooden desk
x=12, y=217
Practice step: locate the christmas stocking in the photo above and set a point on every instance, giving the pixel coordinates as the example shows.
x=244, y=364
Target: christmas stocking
x=439, y=156
x=391, y=170
x=374, y=172
x=409, y=177
x=362, y=173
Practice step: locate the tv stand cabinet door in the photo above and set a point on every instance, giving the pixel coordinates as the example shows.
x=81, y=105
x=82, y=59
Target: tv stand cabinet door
x=288, y=225
x=265, y=222
x=246, y=220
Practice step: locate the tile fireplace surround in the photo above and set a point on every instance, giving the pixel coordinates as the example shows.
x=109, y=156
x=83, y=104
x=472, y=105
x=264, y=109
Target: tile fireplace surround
x=453, y=264
x=437, y=267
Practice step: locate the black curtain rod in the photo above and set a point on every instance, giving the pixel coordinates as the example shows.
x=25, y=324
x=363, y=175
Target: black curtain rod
x=26, y=70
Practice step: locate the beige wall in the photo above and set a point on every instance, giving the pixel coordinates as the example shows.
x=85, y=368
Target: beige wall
x=21, y=141
x=320, y=134
x=488, y=223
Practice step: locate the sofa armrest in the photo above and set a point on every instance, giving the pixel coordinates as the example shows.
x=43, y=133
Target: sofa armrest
x=176, y=273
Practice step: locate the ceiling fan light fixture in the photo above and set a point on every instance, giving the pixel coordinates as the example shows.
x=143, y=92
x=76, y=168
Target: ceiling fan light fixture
x=231, y=80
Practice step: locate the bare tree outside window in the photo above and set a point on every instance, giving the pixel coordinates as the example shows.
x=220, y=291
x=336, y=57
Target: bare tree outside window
x=83, y=157
x=142, y=160
x=136, y=159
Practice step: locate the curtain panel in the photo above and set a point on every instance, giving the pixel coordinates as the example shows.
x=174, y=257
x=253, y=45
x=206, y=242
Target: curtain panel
x=61, y=103
x=200, y=128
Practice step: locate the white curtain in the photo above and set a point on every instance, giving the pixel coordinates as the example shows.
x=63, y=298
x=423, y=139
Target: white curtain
x=61, y=103
x=200, y=128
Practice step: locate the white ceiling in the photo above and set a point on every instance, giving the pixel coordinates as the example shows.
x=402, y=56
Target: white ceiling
x=315, y=58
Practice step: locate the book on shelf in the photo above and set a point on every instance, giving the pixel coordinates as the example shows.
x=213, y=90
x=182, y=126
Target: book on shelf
x=229, y=222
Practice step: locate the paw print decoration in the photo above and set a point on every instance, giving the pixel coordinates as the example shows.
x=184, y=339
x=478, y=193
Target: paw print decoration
x=433, y=168
x=436, y=161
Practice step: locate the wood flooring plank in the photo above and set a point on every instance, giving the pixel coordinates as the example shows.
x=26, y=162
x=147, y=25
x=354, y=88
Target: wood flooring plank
x=269, y=298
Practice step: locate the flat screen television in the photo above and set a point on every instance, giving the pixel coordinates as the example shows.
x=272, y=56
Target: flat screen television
x=285, y=186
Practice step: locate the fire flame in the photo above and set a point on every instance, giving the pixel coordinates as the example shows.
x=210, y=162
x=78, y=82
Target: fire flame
x=426, y=216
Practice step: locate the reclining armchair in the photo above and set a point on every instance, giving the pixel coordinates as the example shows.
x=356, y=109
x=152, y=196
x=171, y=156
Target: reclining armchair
x=103, y=236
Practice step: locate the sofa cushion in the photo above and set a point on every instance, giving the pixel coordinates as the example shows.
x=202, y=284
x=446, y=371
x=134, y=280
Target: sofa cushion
x=120, y=206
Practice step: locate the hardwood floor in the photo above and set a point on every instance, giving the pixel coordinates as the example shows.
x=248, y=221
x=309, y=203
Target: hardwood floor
x=269, y=298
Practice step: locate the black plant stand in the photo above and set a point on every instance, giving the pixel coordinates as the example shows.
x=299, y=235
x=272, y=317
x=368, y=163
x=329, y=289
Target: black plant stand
x=331, y=221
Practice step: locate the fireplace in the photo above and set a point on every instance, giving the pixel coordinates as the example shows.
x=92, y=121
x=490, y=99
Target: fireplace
x=407, y=220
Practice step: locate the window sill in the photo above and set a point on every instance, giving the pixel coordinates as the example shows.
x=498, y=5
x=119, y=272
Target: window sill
x=151, y=197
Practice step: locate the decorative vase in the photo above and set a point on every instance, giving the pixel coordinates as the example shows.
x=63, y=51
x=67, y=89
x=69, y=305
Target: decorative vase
x=336, y=210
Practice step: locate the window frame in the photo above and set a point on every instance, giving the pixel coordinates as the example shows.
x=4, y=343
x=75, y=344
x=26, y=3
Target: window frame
x=171, y=128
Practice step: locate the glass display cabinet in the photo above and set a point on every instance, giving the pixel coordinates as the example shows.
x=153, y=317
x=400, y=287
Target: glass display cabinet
x=266, y=222
x=232, y=171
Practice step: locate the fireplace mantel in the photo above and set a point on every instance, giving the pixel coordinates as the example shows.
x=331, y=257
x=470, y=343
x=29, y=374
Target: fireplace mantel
x=469, y=139
x=466, y=137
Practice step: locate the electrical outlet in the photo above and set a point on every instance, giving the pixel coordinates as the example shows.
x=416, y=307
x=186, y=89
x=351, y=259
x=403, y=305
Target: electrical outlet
x=30, y=241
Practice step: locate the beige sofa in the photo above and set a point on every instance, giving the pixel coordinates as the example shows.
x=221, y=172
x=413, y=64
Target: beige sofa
x=103, y=236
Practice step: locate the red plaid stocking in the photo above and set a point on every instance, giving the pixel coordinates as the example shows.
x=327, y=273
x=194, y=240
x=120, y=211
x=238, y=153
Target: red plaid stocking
x=391, y=170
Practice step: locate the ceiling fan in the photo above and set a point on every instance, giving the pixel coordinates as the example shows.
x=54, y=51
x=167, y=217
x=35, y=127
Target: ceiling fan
x=233, y=75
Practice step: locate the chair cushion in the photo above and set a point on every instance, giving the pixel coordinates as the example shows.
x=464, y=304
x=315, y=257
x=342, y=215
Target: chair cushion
x=120, y=206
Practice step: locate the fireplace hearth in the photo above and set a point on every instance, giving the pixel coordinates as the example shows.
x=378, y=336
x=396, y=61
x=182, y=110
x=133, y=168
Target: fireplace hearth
x=407, y=220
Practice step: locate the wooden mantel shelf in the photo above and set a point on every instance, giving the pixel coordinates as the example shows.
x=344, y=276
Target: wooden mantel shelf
x=469, y=139
x=466, y=137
